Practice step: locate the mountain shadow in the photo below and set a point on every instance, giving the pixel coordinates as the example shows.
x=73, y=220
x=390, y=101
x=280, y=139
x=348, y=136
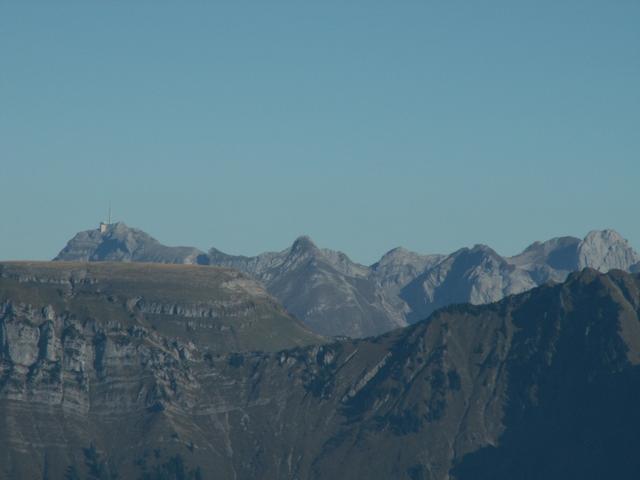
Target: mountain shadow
x=572, y=401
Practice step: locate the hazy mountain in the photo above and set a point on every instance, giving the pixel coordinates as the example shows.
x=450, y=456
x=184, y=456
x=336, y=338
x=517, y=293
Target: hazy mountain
x=603, y=250
x=336, y=296
x=477, y=275
x=124, y=244
x=551, y=260
x=400, y=266
x=324, y=288
x=542, y=385
x=606, y=250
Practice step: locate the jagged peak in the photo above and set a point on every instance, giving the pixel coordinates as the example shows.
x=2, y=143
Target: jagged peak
x=484, y=250
x=478, y=252
x=606, y=250
x=303, y=243
x=481, y=247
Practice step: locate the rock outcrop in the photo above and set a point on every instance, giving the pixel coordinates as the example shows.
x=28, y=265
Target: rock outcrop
x=606, y=250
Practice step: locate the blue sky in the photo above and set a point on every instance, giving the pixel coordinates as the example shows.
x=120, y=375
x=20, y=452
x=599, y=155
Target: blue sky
x=241, y=125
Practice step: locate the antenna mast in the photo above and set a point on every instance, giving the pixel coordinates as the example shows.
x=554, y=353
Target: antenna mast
x=109, y=220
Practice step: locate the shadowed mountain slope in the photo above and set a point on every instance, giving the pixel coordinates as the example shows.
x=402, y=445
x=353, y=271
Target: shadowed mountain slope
x=541, y=385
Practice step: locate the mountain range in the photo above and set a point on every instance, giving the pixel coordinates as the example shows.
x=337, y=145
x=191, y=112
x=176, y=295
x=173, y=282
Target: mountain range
x=99, y=379
x=335, y=296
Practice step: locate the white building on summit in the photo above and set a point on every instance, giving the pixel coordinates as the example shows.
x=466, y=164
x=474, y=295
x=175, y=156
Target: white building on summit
x=103, y=226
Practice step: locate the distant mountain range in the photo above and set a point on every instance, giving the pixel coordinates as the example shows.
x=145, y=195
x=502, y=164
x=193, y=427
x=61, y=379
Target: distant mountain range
x=335, y=296
x=141, y=371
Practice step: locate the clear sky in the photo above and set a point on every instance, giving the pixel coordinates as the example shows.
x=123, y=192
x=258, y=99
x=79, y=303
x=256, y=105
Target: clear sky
x=365, y=124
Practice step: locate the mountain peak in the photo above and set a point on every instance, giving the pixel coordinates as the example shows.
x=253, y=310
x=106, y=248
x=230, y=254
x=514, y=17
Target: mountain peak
x=119, y=242
x=481, y=247
x=393, y=255
x=605, y=250
x=484, y=251
x=303, y=244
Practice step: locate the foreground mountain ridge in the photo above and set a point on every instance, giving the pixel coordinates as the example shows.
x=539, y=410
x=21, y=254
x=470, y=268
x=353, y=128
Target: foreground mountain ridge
x=541, y=385
x=336, y=296
x=211, y=308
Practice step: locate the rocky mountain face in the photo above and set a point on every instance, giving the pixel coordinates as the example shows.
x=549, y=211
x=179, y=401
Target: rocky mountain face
x=479, y=275
x=120, y=243
x=400, y=266
x=325, y=289
x=554, y=259
x=541, y=385
x=547, y=261
x=476, y=275
x=606, y=250
x=335, y=296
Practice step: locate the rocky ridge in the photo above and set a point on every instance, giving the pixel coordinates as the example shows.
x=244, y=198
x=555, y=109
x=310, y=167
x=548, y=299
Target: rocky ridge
x=335, y=296
x=324, y=288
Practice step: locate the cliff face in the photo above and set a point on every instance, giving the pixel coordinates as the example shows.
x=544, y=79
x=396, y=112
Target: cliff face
x=493, y=391
x=213, y=308
x=70, y=381
x=606, y=250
